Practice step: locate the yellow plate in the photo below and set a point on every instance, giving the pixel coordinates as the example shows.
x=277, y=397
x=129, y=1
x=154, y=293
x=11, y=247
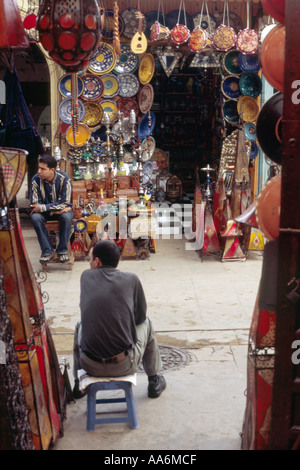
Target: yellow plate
x=111, y=85
x=146, y=68
x=248, y=108
x=93, y=114
x=81, y=136
x=111, y=108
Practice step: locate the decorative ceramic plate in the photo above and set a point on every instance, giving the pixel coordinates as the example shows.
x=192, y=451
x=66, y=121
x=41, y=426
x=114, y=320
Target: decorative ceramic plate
x=93, y=114
x=224, y=38
x=65, y=110
x=146, y=96
x=125, y=105
x=128, y=60
x=148, y=146
x=269, y=127
x=206, y=22
x=247, y=41
x=128, y=85
x=249, y=63
x=151, y=17
x=254, y=150
x=108, y=25
x=180, y=34
x=230, y=63
x=247, y=108
x=250, y=130
x=268, y=208
x=198, y=39
x=173, y=18
x=99, y=133
x=230, y=112
x=65, y=85
x=104, y=60
x=92, y=87
x=230, y=87
x=80, y=137
x=111, y=85
x=131, y=22
x=250, y=84
x=234, y=21
x=146, y=125
x=110, y=107
x=146, y=68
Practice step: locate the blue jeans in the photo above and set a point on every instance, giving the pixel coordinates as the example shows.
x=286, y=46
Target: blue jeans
x=39, y=220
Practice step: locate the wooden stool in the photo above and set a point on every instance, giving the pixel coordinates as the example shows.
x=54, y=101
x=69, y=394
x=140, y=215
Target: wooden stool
x=53, y=228
x=93, y=385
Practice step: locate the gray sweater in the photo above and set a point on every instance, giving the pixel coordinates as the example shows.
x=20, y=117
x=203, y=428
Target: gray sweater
x=112, y=303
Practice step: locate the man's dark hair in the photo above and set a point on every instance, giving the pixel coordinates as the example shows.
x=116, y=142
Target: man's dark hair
x=48, y=160
x=108, y=252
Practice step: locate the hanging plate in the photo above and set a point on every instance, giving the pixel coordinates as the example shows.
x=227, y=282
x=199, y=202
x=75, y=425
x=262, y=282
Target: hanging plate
x=131, y=22
x=104, y=61
x=146, y=69
x=148, y=146
x=92, y=87
x=206, y=21
x=82, y=135
x=247, y=41
x=224, y=38
x=128, y=85
x=254, y=150
x=230, y=87
x=230, y=112
x=108, y=25
x=249, y=63
x=197, y=39
x=111, y=85
x=247, y=108
x=146, y=125
x=99, y=133
x=250, y=130
x=110, y=107
x=151, y=18
x=234, y=21
x=230, y=63
x=180, y=34
x=268, y=208
x=65, y=88
x=269, y=127
x=65, y=110
x=128, y=61
x=125, y=105
x=172, y=19
x=276, y=9
x=146, y=96
x=272, y=57
x=250, y=84
x=93, y=114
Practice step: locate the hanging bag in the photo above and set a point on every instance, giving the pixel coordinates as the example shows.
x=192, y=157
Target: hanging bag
x=180, y=33
x=224, y=37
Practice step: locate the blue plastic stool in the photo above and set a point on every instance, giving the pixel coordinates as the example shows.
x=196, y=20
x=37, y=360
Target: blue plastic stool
x=92, y=402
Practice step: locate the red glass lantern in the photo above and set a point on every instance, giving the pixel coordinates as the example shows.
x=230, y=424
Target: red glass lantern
x=70, y=30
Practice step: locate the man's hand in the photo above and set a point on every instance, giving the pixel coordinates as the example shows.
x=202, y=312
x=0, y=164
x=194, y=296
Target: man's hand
x=66, y=209
x=36, y=208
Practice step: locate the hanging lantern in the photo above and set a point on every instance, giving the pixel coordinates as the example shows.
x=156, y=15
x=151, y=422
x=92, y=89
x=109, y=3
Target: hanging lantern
x=70, y=31
x=12, y=34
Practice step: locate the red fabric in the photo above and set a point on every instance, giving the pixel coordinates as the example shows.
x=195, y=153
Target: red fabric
x=12, y=33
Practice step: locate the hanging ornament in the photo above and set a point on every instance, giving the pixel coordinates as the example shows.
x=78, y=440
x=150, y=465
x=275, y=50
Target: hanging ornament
x=70, y=31
x=12, y=34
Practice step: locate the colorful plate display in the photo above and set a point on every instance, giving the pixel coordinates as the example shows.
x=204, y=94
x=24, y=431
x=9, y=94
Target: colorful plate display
x=65, y=110
x=110, y=107
x=249, y=63
x=125, y=105
x=224, y=38
x=250, y=84
x=146, y=96
x=111, y=85
x=269, y=127
x=146, y=125
x=148, y=146
x=92, y=87
x=128, y=85
x=197, y=39
x=104, y=61
x=108, y=25
x=80, y=137
x=65, y=88
x=131, y=22
x=230, y=112
x=247, y=41
x=93, y=114
x=230, y=87
x=230, y=63
x=128, y=61
x=247, y=108
x=146, y=68
x=250, y=130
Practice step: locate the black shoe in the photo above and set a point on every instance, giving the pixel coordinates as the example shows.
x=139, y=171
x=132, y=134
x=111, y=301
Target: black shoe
x=157, y=385
x=77, y=394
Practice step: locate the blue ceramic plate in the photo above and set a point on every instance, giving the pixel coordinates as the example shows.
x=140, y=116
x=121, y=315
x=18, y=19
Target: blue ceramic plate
x=230, y=63
x=249, y=62
x=128, y=61
x=64, y=86
x=93, y=87
x=230, y=87
x=250, y=130
x=254, y=150
x=65, y=110
x=128, y=85
x=99, y=133
x=108, y=25
x=144, y=128
x=205, y=21
x=104, y=60
x=250, y=84
x=230, y=112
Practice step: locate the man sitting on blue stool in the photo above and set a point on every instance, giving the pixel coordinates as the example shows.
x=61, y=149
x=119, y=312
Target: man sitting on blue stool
x=114, y=335
x=50, y=197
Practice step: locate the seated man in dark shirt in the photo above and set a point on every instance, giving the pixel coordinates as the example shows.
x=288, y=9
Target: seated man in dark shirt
x=114, y=335
x=50, y=198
